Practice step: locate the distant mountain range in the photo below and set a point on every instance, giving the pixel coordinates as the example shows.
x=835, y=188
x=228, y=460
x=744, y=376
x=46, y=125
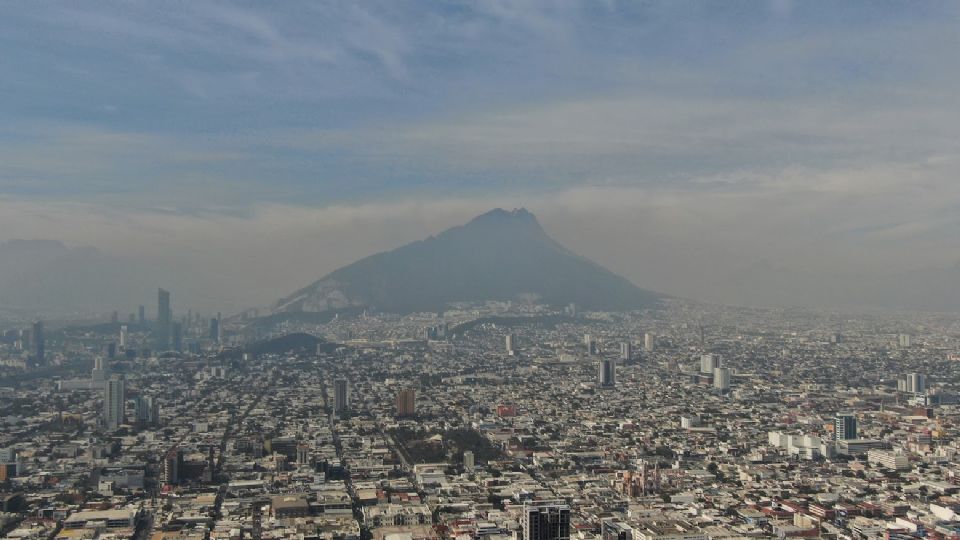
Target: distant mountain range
x=500, y=255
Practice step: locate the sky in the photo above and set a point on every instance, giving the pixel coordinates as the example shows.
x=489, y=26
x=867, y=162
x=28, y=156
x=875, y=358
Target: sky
x=744, y=152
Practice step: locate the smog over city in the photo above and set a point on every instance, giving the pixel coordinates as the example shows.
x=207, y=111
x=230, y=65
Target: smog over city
x=479, y=270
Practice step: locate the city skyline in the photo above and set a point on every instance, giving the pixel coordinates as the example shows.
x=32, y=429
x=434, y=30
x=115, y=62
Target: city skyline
x=480, y=270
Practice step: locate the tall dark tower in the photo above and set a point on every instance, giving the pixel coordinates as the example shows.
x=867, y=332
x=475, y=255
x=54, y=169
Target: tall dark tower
x=607, y=376
x=341, y=395
x=142, y=315
x=546, y=521
x=215, y=329
x=161, y=336
x=39, y=346
x=176, y=340
x=257, y=518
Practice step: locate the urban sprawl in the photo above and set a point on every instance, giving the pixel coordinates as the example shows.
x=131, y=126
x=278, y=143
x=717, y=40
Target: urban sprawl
x=495, y=421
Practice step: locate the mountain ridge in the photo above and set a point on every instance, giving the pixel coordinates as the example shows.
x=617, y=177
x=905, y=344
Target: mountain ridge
x=498, y=255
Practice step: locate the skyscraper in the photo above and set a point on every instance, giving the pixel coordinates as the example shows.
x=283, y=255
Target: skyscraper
x=709, y=362
x=114, y=398
x=916, y=383
x=721, y=379
x=23, y=343
x=648, y=342
x=172, y=465
x=123, y=337
x=546, y=521
x=626, y=350
x=341, y=395
x=146, y=410
x=99, y=372
x=214, y=329
x=38, y=344
x=176, y=336
x=468, y=461
x=509, y=343
x=407, y=402
x=141, y=315
x=608, y=373
x=845, y=427
x=161, y=336
x=590, y=344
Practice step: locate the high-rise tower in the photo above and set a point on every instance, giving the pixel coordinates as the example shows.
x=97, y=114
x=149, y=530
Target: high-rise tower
x=214, y=334
x=710, y=362
x=161, y=336
x=608, y=373
x=648, y=342
x=341, y=395
x=916, y=383
x=845, y=427
x=176, y=336
x=114, y=399
x=721, y=379
x=407, y=402
x=38, y=345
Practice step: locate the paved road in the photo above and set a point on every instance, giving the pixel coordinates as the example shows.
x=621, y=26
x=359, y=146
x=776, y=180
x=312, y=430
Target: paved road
x=227, y=434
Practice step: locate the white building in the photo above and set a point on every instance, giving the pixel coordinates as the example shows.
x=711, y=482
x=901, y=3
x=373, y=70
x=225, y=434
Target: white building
x=888, y=459
x=114, y=400
x=709, y=362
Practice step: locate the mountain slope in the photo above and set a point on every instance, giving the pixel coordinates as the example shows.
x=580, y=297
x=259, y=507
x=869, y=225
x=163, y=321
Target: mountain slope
x=499, y=255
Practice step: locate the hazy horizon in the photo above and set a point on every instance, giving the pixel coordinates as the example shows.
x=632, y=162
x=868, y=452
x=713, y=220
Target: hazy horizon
x=769, y=154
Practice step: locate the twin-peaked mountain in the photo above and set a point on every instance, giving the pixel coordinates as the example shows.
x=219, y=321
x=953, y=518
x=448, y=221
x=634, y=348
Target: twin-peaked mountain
x=500, y=255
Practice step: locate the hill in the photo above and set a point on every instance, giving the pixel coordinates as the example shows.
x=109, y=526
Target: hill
x=297, y=342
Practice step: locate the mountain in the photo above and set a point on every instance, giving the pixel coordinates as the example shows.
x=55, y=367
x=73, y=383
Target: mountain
x=500, y=255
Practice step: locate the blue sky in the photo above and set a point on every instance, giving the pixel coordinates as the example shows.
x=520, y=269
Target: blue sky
x=840, y=119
